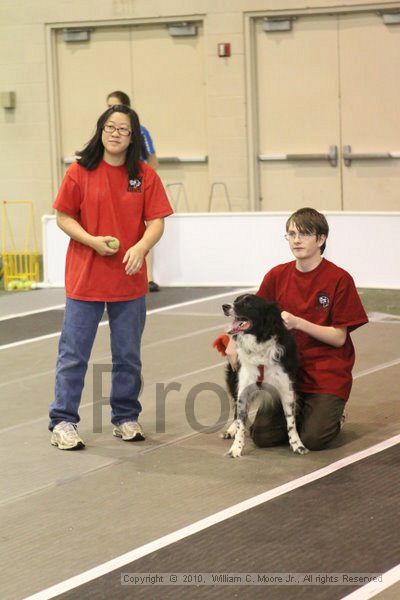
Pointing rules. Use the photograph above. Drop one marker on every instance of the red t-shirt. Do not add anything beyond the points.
(325, 296)
(102, 203)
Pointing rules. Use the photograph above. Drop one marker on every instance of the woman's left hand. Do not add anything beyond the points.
(134, 258)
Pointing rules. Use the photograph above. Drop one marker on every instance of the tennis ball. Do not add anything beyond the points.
(114, 244)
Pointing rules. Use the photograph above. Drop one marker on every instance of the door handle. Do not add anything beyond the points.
(183, 159)
(331, 156)
(349, 156)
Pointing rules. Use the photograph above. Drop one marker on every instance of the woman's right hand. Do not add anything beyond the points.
(99, 245)
(71, 227)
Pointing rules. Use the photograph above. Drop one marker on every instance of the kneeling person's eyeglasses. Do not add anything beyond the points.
(302, 236)
(120, 130)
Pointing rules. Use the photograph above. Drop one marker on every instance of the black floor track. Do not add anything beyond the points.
(346, 522)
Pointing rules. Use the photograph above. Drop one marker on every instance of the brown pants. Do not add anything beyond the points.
(318, 421)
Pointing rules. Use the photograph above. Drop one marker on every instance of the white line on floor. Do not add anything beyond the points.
(195, 314)
(376, 587)
(150, 312)
(33, 312)
(218, 517)
(380, 367)
(183, 336)
(52, 484)
(87, 404)
(174, 378)
(373, 316)
(199, 300)
(31, 340)
(97, 360)
(385, 317)
(62, 306)
(197, 332)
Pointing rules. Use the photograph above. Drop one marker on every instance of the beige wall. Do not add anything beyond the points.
(27, 143)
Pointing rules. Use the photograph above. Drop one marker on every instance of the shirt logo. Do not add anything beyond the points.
(323, 300)
(135, 185)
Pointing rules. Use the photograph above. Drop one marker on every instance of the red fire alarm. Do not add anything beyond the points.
(224, 50)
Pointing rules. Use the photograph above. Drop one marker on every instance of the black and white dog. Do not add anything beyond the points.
(261, 340)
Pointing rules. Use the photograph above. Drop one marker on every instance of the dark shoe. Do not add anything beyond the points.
(153, 286)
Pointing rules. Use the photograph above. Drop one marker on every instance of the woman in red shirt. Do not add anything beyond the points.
(108, 193)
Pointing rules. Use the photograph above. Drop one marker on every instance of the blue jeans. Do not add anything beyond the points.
(79, 330)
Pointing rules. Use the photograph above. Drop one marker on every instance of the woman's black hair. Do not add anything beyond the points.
(92, 153)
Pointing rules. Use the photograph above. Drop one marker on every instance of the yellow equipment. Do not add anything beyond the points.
(21, 267)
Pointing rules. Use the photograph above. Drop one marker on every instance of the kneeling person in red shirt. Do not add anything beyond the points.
(320, 303)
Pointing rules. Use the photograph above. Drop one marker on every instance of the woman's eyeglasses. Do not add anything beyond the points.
(120, 130)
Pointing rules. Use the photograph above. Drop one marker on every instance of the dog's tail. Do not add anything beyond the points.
(269, 418)
(270, 404)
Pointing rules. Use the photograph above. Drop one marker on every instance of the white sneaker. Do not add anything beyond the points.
(130, 431)
(66, 437)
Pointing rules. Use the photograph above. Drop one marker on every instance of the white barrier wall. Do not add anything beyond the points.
(236, 249)
(55, 244)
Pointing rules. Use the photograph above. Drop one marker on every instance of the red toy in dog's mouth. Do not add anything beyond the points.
(239, 324)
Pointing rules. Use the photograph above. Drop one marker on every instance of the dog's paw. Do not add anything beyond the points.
(234, 453)
(230, 433)
(235, 450)
(300, 450)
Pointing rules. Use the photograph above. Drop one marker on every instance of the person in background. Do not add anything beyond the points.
(148, 154)
(320, 304)
(112, 206)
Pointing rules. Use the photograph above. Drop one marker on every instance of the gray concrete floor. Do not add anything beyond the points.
(63, 513)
